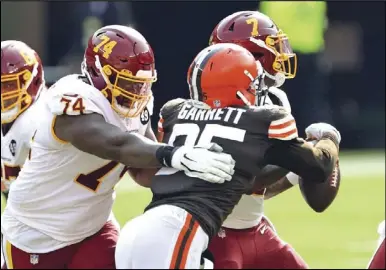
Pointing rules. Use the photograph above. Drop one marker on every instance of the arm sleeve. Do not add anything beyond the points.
(309, 162)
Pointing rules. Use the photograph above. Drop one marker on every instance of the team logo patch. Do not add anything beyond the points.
(12, 147)
(34, 259)
(145, 116)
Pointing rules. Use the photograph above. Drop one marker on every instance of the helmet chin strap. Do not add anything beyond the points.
(278, 78)
(83, 67)
(100, 69)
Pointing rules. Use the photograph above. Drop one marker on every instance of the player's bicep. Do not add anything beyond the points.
(309, 162)
(89, 133)
(92, 134)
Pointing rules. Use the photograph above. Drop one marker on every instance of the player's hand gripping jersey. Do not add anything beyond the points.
(64, 194)
(254, 136)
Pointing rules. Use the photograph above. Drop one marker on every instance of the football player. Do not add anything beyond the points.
(22, 81)
(378, 259)
(185, 213)
(89, 129)
(231, 248)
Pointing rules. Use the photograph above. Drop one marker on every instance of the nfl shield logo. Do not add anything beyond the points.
(34, 259)
(217, 103)
(221, 233)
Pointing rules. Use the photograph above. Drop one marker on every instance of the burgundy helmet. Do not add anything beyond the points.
(21, 78)
(260, 35)
(120, 63)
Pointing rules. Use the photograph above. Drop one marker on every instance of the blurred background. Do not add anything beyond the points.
(340, 79)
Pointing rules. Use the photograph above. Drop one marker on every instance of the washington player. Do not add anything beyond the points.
(185, 213)
(22, 81)
(378, 259)
(247, 238)
(59, 210)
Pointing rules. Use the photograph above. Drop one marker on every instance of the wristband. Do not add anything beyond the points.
(164, 155)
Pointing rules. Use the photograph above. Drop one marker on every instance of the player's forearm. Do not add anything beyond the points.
(268, 176)
(277, 188)
(93, 135)
(137, 151)
(130, 149)
(314, 163)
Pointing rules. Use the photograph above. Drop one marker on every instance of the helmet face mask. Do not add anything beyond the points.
(130, 94)
(21, 78)
(126, 73)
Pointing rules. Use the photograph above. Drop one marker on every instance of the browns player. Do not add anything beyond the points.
(185, 213)
(22, 81)
(231, 247)
(59, 210)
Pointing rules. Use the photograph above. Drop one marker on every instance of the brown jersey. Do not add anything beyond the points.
(254, 136)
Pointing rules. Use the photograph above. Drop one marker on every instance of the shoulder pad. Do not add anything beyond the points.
(282, 125)
(150, 105)
(71, 96)
(171, 106)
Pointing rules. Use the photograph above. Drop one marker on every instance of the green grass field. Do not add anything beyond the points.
(344, 236)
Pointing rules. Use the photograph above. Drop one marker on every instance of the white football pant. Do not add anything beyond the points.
(164, 237)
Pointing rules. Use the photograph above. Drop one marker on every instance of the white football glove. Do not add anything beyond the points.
(319, 130)
(205, 162)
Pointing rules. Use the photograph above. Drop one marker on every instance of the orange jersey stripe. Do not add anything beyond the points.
(283, 125)
(283, 135)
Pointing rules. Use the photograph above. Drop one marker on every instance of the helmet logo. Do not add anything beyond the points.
(28, 57)
(217, 103)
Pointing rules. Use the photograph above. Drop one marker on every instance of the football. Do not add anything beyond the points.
(319, 196)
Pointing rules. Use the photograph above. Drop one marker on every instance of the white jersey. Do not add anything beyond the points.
(15, 142)
(381, 231)
(247, 213)
(250, 209)
(64, 195)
